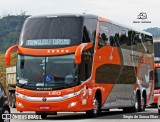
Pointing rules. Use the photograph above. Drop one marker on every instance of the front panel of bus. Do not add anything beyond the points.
(51, 81)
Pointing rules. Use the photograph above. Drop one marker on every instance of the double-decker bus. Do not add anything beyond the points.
(72, 63)
(157, 71)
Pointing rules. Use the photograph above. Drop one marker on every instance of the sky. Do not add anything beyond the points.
(121, 11)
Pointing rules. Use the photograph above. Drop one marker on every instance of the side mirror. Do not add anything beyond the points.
(8, 54)
(79, 51)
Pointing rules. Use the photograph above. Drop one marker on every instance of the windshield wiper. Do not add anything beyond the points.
(21, 85)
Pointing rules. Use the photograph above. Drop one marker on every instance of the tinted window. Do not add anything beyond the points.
(89, 30)
(114, 35)
(142, 42)
(52, 32)
(156, 49)
(89, 33)
(103, 35)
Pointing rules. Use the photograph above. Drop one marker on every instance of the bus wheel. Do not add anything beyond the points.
(143, 103)
(159, 111)
(96, 108)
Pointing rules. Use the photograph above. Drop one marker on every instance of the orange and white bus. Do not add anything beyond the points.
(157, 72)
(72, 63)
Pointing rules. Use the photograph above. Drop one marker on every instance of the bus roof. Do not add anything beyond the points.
(91, 16)
(65, 15)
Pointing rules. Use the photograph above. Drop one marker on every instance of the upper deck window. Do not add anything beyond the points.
(54, 32)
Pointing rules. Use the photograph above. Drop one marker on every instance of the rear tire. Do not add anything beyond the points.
(96, 108)
(159, 111)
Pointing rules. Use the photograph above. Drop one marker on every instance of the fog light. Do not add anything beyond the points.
(20, 105)
(72, 104)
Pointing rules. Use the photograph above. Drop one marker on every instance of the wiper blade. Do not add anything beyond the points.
(21, 85)
(59, 83)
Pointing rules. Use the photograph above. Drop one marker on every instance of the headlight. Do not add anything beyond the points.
(72, 94)
(21, 95)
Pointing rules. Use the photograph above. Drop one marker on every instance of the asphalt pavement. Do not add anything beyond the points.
(114, 115)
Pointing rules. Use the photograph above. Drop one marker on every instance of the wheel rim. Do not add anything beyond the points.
(96, 105)
(6, 112)
(136, 104)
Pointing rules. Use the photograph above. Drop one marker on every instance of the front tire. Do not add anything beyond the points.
(96, 108)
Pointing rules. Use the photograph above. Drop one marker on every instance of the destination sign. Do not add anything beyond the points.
(42, 42)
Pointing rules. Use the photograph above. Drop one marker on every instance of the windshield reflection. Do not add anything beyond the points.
(46, 71)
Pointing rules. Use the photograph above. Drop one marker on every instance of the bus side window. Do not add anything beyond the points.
(102, 40)
(89, 30)
(103, 35)
(85, 35)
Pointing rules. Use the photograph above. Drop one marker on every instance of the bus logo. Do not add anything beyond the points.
(44, 99)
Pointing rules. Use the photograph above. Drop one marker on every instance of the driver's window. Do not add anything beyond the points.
(103, 35)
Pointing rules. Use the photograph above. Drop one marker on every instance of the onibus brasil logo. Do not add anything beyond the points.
(142, 17)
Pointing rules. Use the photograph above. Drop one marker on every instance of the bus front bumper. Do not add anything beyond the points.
(73, 104)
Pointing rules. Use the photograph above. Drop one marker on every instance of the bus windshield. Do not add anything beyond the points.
(54, 71)
(51, 32)
(157, 78)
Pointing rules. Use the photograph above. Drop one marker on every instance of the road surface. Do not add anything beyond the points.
(115, 115)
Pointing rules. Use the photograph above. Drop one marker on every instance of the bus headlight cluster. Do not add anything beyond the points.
(21, 96)
(72, 94)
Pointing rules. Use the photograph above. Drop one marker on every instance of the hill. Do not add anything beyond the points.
(155, 31)
(10, 27)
